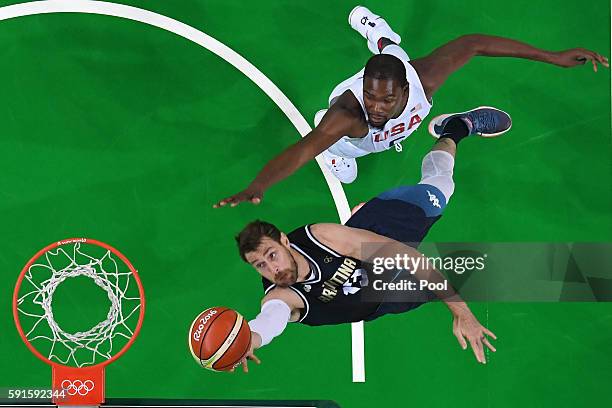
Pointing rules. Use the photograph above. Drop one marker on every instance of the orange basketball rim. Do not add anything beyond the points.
(78, 359)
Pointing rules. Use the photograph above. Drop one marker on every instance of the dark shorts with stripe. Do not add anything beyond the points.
(404, 214)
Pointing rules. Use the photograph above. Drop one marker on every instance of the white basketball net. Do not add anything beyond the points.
(36, 305)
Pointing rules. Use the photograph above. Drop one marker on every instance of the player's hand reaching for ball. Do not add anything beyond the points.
(255, 343)
(244, 362)
(251, 193)
(468, 329)
(579, 56)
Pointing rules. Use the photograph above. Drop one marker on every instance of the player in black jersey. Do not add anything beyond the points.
(312, 275)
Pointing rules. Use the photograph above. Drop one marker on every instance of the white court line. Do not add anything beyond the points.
(232, 57)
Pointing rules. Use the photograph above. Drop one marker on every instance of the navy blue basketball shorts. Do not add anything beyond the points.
(404, 214)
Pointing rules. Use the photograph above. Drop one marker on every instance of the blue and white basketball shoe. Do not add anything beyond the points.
(484, 121)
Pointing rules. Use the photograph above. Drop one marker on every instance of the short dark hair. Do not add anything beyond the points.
(250, 237)
(385, 66)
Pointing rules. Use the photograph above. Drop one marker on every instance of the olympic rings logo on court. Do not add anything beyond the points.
(78, 387)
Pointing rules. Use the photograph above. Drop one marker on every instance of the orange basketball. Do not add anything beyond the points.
(219, 338)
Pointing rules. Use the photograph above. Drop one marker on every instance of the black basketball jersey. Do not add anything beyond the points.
(331, 295)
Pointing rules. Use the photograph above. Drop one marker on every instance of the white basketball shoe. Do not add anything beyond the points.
(344, 169)
(371, 27)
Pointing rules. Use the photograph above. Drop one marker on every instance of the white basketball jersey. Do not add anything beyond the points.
(395, 130)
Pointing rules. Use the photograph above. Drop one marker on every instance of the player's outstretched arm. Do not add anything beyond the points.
(336, 123)
(278, 307)
(435, 68)
(350, 241)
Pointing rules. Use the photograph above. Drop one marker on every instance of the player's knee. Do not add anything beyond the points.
(437, 170)
(437, 163)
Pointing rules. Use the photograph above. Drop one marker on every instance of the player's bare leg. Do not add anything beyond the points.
(445, 145)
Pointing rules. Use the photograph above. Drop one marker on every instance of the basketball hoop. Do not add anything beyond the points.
(78, 359)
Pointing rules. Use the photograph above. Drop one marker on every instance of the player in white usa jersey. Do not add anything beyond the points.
(394, 130)
(384, 103)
